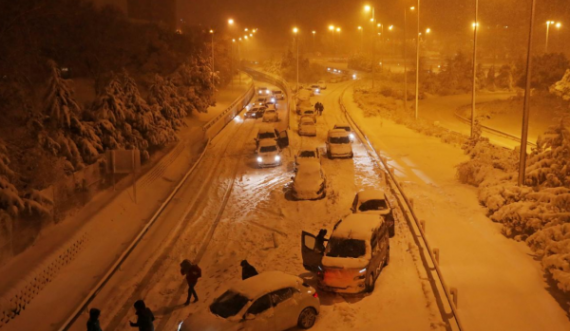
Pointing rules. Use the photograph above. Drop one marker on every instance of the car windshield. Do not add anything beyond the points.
(345, 128)
(270, 112)
(261, 99)
(373, 205)
(308, 112)
(229, 304)
(265, 135)
(267, 149)
(276, 92)
(343, 247)
(307, 154)
(339, 140)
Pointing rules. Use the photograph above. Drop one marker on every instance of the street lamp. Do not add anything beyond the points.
(314, 33)
(230, 21)
(368, 9)
(391, 27)
(558, 25)
(417, 63)
(295, 32)
(475, 29)
(428, 30)
(213, 68)
(361, 40)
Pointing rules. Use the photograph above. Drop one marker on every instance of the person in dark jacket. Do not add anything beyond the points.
(320, 240)
(192, 273)
(145, 318)
(247, 270)
(93, 322)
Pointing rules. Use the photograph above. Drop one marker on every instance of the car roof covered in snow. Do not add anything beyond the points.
(307, 119)
(358, 226)
(265, 282)
(267, 142)
(338, 133)
(309, 166)
(371, 195)
(266, 128)
(342, 125)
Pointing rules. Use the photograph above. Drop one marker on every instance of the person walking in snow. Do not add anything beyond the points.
(247, 270)
(145, 317)
(192, 273)
(321, 108)
(320, 240)
(93, 321)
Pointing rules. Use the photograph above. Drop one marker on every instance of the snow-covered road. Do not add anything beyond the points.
(261, 225)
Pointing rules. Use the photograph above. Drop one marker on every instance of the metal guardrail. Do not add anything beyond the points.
(489, 129)
(407, 209)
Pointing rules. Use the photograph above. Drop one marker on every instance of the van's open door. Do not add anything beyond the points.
(283, 140)
(311, 256)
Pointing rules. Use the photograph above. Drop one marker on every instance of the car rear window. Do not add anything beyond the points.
(265, 135)
(339, 140)
(373, 205)
(228, 304)
(267, 149)
(343, 247)
(307, 154)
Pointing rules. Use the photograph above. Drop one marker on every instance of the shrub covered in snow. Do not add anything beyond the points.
(539, 212)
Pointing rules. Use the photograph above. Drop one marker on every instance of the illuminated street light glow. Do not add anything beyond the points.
(359, 28)
(251, 34)
(337, 29)
(428, 30)
(367, 8)
(231, 21)
(475, 24)
(371, 20)
(233, 40)
(313, 32)
(331, 27)
(246, 29)
(390, 27)
(211, 31)
(245, 37)
(378, 25)
(412, 8)
(295, 30)
(558, 25)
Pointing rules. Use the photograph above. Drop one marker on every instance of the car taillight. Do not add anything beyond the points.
(315, 295)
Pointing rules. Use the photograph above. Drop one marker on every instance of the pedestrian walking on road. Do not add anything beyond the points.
(93, 322)
(192, 273)
(247, 270)
(145, 317)
(321, 108)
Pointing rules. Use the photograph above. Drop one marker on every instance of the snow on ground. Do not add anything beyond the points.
(109, 226)
(501, 286)
(226, 96)
(260, 224)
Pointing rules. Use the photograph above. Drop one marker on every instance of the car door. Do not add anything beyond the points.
(260, 316)
(285, 307)
(283, 140)
(311, 256)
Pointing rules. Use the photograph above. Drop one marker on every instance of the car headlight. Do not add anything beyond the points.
(317, 90)
(277, 158)
(266, 92)
(272, 99)
(259, 159)
(351, 136)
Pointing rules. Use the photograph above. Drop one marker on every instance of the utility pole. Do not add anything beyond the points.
(374, 40)
(475, 28)
(547, 33)
(213, 68)
(405, 60)
(418, 61)
(524, 133)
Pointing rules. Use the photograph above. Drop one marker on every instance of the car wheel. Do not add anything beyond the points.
(329, 154)
(307, 318)
(369, 282)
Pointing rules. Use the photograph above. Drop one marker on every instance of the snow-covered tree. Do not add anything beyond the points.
(562, 87)
(164, 94)
(194, 83)
(549, 164)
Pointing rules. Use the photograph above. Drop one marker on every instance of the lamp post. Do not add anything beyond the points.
(548, 24)
(314, 33)
(475, 29)
(331, 29)
(213, 68)
(406, 57)
(417, 63)
(367, 9)
(295, 32)
(524, 133)
(361, 42)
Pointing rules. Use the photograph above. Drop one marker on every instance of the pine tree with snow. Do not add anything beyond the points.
(194, 83)
(562, 87)
(549, 164)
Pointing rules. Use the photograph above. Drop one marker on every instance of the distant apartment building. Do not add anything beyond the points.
(158, 11)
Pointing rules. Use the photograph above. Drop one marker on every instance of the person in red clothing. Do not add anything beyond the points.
(192, 273)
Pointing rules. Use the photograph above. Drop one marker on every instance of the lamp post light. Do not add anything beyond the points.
(213, 68)
(295, 32)
(406, 58)
(417, 62)
(231, 21)
(558, 25)
(370, 9)
(475, 29)
(314, 33)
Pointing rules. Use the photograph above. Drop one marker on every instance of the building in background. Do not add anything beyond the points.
(156, 11)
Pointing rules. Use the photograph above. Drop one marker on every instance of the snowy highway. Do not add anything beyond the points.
(229, 210)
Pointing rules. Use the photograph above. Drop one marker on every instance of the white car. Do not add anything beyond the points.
(322, 84)
(307, 155)
(268, 153)
(262, 101)
(270, 115)
(255, 112)
(346, 127)
(357, 252)
(375, 202)
(270, 301)
(338, 144)
(307, 126)
(278, 94)
(316, 89)
(310, 182)
(309, 112)
(263, 91)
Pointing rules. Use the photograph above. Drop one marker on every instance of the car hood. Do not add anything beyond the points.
(204, 320)
(307, 184)
(344, 262)
(268, 154)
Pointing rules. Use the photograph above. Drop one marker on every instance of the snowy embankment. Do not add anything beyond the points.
(501, 286)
